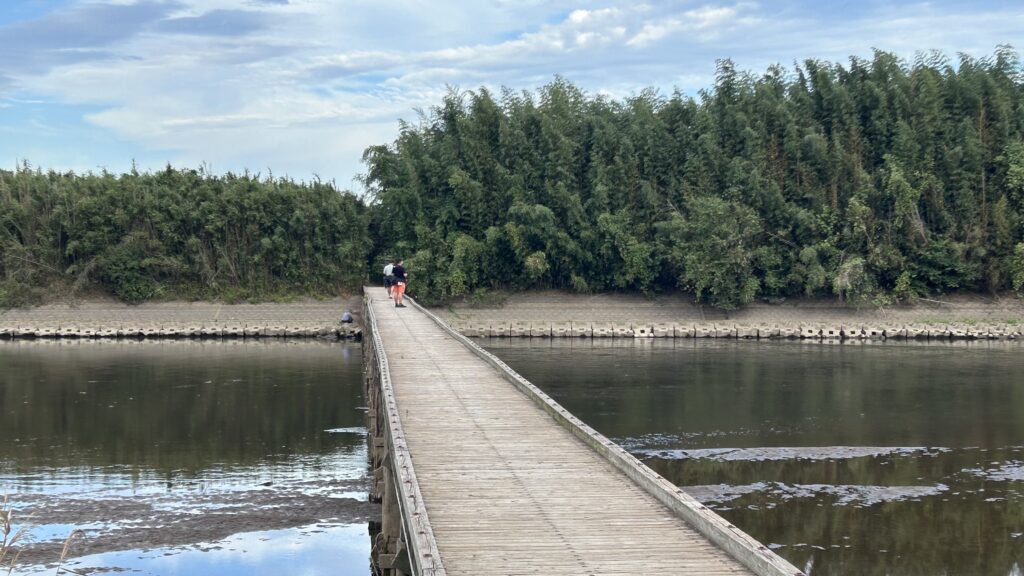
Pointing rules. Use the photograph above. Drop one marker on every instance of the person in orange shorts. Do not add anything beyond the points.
(398, 286)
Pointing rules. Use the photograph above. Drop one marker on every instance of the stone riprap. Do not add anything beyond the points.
(535, 315)
(307, 319)
(555, 315)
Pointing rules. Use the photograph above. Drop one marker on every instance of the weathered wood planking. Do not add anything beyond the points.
(510, 488)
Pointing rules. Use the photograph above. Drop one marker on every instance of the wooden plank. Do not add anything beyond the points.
(509, 489)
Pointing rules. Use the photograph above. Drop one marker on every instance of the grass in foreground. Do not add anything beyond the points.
(9, 537)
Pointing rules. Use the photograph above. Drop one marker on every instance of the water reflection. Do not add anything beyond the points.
(314, 549)
(894, 458)
(172, 444)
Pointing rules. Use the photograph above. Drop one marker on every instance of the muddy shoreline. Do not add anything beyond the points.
(181, 520)
(538, 314)
(557, 314)
(184, 320)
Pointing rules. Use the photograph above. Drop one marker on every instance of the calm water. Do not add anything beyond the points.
(867, 459)
(187, 457)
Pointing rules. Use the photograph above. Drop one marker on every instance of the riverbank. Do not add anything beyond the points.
(109, 319)
(535, 314)
(541, 314)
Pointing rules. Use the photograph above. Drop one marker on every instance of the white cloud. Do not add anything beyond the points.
(708, 20)
(311, 83)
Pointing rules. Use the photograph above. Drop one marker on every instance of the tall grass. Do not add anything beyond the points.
(10, 536)
(78, 533)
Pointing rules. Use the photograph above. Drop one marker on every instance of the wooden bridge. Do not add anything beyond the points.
(479, 472)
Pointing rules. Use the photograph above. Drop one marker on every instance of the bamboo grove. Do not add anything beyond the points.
(875, 181)
(175, 234)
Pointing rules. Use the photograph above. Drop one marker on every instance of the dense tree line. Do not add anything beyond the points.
(876, 181)
(176, 233)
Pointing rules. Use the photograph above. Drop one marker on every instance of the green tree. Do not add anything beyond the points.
(710, 250)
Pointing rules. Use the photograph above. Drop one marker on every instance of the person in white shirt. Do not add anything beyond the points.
(388, 278)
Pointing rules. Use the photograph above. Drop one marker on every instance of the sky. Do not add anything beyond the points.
(300, 88)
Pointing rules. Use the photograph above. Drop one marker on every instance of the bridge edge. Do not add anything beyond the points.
(745, 549)
(420, 538)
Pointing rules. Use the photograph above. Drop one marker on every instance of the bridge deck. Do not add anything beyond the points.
(507, 489)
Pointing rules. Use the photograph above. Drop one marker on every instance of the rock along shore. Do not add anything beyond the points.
(552, 315)
(307, 319)
(536, 315)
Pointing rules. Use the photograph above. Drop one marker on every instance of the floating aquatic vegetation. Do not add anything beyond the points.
(351, 430)
(1010, 471)
(845, 495)
(791, 453)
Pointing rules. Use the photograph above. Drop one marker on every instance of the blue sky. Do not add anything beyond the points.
(302, 87)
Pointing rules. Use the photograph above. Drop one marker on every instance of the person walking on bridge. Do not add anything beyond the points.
(388, 278)
(400, 278)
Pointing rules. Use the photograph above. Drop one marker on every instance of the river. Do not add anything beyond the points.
(868, 459)
(240, 457)
(186, 457)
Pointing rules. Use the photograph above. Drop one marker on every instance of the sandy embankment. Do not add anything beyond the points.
(108, 319)
(539, 314)
(558, 314)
